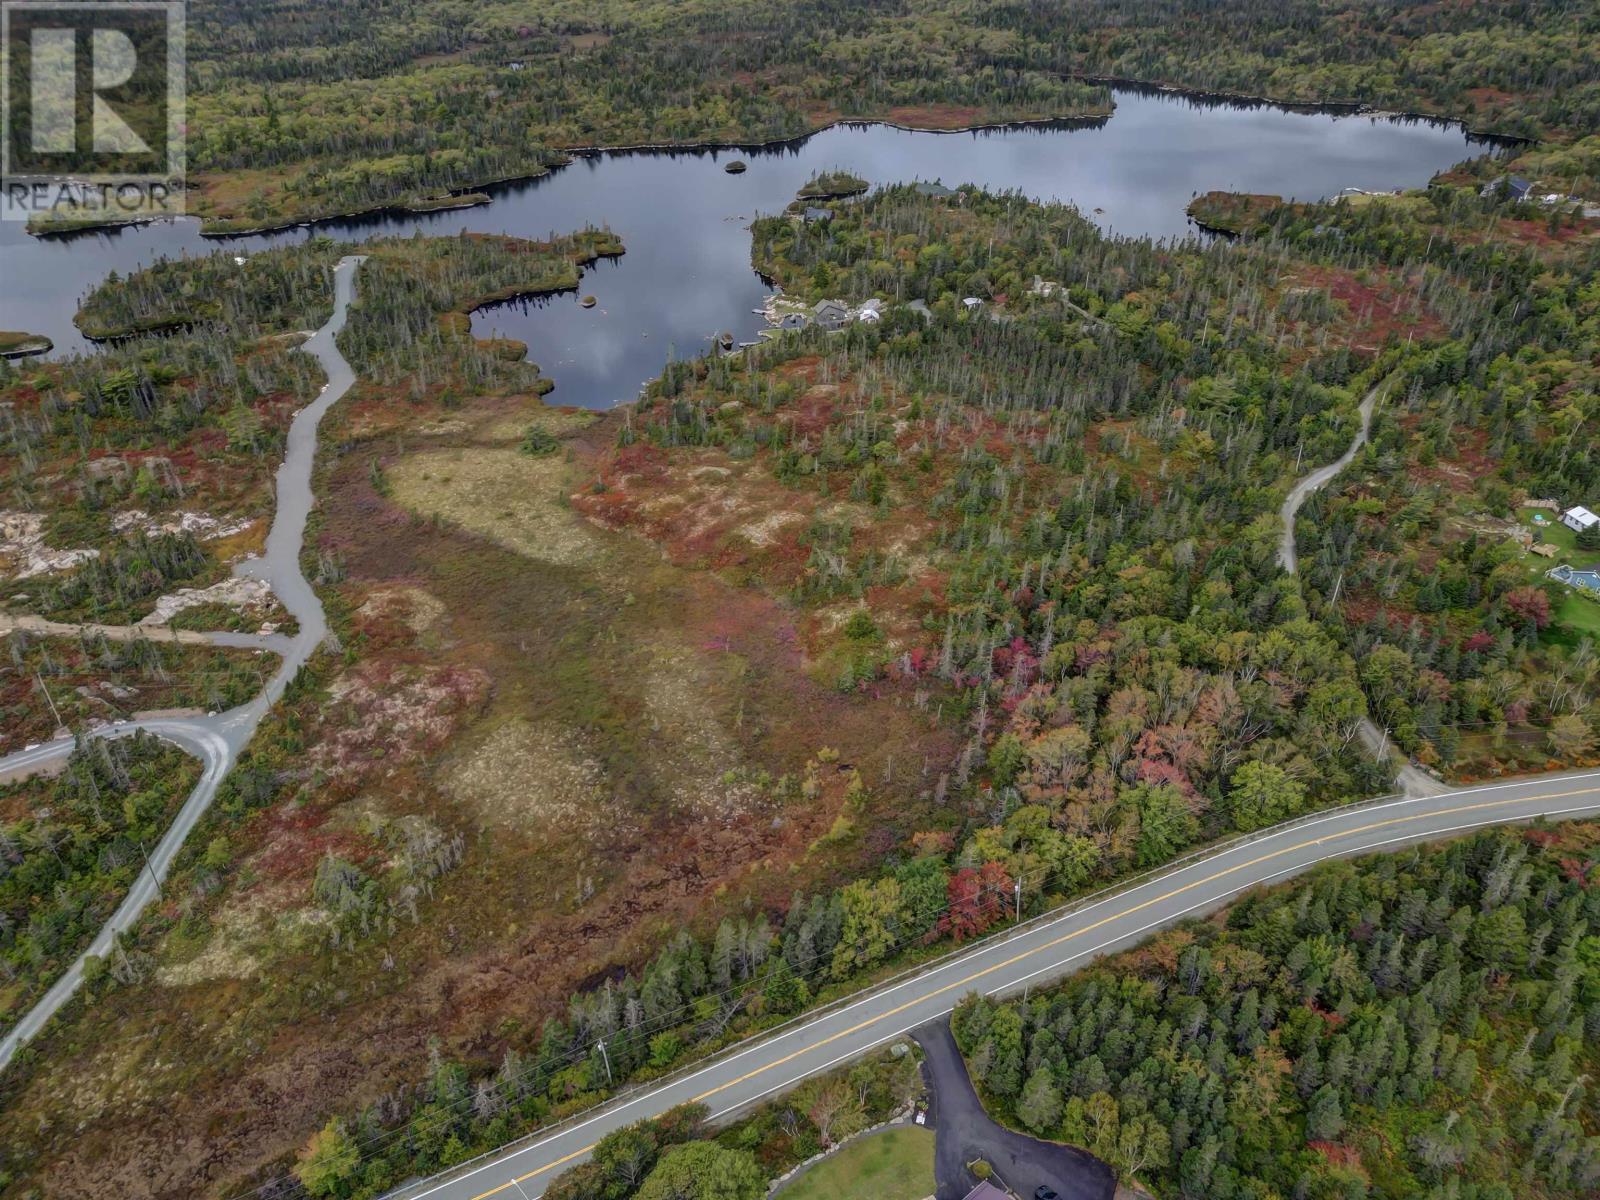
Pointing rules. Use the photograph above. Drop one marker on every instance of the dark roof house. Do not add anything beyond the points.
(830, 314)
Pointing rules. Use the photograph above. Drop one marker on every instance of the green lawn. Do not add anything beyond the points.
(1553, 531)
(896, 1165)
(1579, 612)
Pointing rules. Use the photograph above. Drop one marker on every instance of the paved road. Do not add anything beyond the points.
(963, 1132)
(1037, 952)
(217, 740)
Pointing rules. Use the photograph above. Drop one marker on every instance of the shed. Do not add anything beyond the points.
(972, 303)
(1579, 518)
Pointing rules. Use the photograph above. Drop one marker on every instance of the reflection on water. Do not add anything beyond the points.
(687, 275)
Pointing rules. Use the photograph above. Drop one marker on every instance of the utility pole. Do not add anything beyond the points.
(148, 866)
(610, 1079)
(48, 699)
(1018, 888)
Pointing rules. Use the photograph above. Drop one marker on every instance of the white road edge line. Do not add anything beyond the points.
(874, 996)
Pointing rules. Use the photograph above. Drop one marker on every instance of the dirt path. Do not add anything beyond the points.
(1412, 780)
(278, 643)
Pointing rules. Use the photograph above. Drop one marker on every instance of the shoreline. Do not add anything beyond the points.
(1216, 97)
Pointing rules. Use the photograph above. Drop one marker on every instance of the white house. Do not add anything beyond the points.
(1578, 519)
(871, 311)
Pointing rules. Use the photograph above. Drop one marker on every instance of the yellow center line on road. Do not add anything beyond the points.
(1051, 945)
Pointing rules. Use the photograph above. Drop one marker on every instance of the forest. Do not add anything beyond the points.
(1029, 545)
(312, 111)
(1420, 1024)
(1053, 519)
(69, 848)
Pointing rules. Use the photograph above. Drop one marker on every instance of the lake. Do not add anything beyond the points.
(687, 273)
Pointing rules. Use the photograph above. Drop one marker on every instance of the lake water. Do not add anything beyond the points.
(687, 273)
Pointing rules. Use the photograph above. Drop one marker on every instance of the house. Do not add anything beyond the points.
(1043, 287)
(987, 1191)
(1517, 187)
(1578, 519)
(972, 304)
(793, 320)
(813, 213)
(830, 314)
(1589, 581)
(936, 190)
(870, 312)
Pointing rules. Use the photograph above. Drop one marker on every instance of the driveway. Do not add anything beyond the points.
(963, 1132)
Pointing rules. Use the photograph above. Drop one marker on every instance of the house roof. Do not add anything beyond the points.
(824, 306)
(1581, 515)
(813, 213)
(933, 189)
(987, 1191)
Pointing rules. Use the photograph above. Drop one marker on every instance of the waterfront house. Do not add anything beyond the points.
(793, 320)
(830, 314)
(813, 213)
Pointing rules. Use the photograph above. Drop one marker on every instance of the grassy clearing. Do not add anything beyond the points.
(499, 494)
(894, 1165)
(1579, 613)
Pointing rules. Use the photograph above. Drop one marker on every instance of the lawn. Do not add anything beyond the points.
(1580, 613)
(896, 1165)
(1554, 531)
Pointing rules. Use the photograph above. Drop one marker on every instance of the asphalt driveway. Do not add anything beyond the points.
(963, 1132)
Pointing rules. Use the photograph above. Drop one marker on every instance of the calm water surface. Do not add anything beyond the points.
(687, 271)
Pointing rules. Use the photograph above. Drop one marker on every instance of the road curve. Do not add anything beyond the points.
(217, 740)
(1042, 950)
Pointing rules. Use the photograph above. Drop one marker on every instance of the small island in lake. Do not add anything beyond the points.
(737, 167)
(832, 185)
(20, 345)
(1232, 213)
